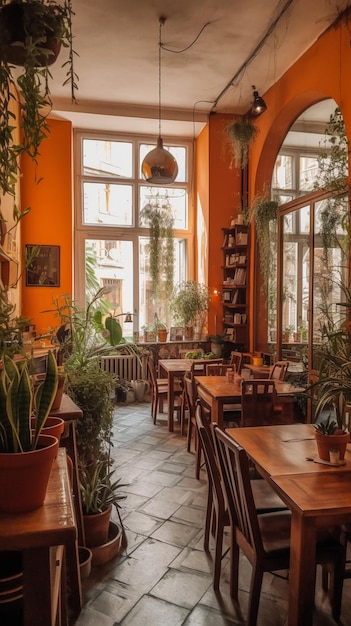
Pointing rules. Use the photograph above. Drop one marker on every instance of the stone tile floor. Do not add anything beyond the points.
(164, 577)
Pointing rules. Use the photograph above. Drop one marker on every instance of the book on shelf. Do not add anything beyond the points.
(241, 239)
(240, 276)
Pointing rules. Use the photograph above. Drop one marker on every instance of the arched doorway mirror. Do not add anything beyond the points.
(310, 279)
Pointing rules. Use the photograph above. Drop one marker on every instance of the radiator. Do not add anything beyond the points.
(125, 366)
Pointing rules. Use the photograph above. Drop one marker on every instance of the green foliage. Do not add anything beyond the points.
(190, 302)
(332, 176)
(241, 132)
(329, 427)
(158, 216)
(264, 214)
(40, 17)
(98, 487)
(17, 401)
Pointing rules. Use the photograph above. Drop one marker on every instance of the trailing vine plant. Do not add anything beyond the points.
(158, 216)
(264, 215)
(242, 131)
(332, 176)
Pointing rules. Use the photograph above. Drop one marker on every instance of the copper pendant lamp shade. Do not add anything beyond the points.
(159, 166)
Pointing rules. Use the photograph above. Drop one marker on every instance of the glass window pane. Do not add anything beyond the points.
(175, 198)
(147, 304)
(110, 264)
(179, 153)
(308, 172)
(283, 177)
(107, 158)
(107, 204)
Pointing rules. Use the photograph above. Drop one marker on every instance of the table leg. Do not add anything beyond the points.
(302, 570)
(170, 401)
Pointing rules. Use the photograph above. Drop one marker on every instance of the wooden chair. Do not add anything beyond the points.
(217, 369)
(279, 370)
(190, 396)
(236, 360)
(198, 366)
(258, 397)
(217, 516)
(159, 391)
(265, 539)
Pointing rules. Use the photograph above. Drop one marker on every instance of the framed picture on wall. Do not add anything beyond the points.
(44, 266)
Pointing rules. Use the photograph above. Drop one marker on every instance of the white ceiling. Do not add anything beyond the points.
(117, 43)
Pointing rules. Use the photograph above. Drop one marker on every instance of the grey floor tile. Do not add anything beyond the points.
(182, 588)
(158, 551)
(175, 533)
(153, 611)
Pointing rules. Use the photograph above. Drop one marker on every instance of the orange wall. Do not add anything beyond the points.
(322, 72)
(218, 200)
(50, 219)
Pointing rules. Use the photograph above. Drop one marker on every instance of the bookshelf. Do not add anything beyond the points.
(235, 284)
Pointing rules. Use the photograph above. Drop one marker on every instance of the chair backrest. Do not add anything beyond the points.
(152, 372)
(235, 476)
(198, 366)
(213, 472)
(279, 370)
(258, 397)
(218, 369)
(236, 359)
(190, 392)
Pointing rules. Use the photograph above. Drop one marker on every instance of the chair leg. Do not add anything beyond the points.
(189, 434)
(254, 596)
(218, 554)
(209, 511)
(198, 458)
(234, 567)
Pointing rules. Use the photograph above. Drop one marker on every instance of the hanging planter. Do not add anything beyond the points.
(264, 214)
(241, 132)
(158, 217)
(31, 35)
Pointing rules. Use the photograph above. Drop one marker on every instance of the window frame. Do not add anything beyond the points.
(82, 231)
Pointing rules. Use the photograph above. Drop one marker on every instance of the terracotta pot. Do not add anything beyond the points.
(24, 476)
(53, 426)
(325, 443)
(109, 550)
(162, 334)
(96, 528)
(85, 556)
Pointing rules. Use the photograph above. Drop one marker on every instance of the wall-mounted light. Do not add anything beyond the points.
(128, 317)
(159, 166)
(258, 106)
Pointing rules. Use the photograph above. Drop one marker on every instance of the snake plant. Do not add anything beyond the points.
(19, 401)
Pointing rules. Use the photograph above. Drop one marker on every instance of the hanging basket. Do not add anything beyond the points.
(13, 18)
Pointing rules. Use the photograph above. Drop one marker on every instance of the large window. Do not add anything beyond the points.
(111, 239)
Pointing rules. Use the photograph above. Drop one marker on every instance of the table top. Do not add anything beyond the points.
(283, 450)
(175, 365)
(259, 369)
(219, 386)
(50, 525)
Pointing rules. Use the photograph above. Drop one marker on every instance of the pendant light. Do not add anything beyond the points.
(159, 166)
(258, 106)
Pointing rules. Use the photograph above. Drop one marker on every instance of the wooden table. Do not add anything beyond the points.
(46, 537)
(318, 496)
(70, 412)
(259, 371)
(217, 392)
(172, 369)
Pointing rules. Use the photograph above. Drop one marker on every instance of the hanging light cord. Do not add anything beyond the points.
(161, 22)
(190, 44)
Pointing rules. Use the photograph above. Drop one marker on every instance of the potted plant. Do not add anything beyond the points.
(22, 448)
(190, 305)
(218, 342)
(99, 491)
(31, 35)
(160, 328)
(264, 214)
(242, 131)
